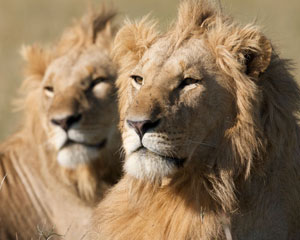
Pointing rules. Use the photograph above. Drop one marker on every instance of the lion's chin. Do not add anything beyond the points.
(144, 164)
(76, 154)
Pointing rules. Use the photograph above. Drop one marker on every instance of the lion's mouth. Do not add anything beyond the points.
(178, 162)
(99, 145)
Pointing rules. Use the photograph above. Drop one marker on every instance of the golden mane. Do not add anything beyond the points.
(259, 151)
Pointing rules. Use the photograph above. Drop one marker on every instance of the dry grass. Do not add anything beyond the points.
(48, 234)
(29, 21)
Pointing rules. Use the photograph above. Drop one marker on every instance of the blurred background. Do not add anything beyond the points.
(30, 21)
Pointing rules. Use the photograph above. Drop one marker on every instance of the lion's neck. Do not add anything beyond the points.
(174, 211)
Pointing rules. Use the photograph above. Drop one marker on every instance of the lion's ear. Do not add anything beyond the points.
(93, 28)
(195, 14)
(103, 31)
(252, 50)
(257, 59)
(105, 38)
(134, 39)
(37, 59)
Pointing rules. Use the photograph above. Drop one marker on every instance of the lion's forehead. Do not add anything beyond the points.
(165, 58)
(75, 66)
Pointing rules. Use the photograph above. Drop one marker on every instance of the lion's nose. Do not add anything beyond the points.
(66, 122)
(141, 127)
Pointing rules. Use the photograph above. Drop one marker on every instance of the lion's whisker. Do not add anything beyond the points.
(202, 143)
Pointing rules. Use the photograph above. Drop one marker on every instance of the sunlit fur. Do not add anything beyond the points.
(52, 182)
(236, 129)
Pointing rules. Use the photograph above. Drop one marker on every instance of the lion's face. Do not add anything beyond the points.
(78, 105)
(188, 94)
(178, 102)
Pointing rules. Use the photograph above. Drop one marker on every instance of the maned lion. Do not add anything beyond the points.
(65, 155)
(210, 134)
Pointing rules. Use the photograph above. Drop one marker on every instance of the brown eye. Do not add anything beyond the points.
(137, 79)
(97, 81)
(188, 81)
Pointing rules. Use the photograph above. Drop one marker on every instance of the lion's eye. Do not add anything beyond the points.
(97, 81)
(188, 81)
(138, 79)
(49, 91)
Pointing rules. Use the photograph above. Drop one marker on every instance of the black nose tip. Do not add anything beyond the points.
(66, 123)
(141, 127)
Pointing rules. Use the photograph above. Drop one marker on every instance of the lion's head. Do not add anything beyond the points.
(70, 102)
(193, 98)
(209, 127)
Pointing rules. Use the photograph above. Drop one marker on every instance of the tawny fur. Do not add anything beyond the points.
(38, 193)
(247, 185)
